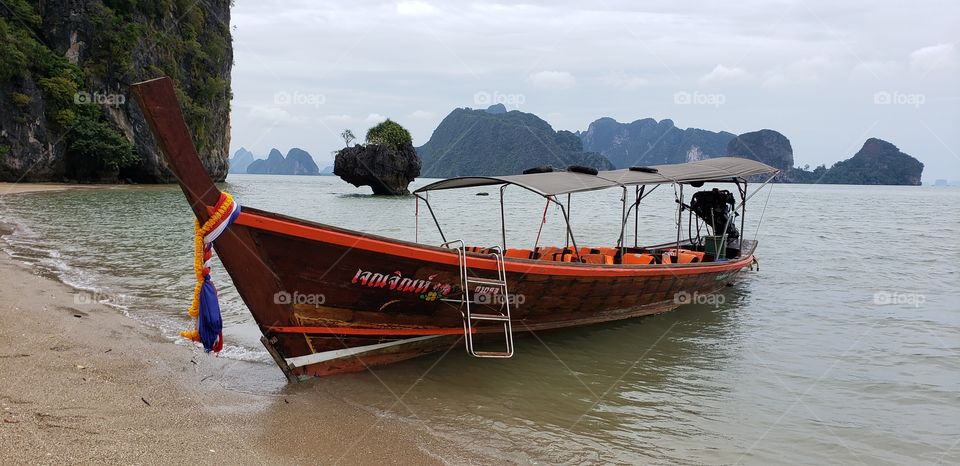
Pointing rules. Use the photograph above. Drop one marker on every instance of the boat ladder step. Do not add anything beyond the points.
(491, 354)
(498, 301)
(493, 317)
(485, 281)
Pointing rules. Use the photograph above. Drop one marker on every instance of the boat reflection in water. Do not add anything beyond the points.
(615, 391)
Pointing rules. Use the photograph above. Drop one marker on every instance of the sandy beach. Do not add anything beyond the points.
(18, 188)
(82, 383)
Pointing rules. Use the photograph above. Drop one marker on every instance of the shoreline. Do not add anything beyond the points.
(20, 188)
(81, 382)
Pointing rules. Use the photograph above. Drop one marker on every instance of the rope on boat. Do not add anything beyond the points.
(542, 223)
(205, 309)
(757, 233)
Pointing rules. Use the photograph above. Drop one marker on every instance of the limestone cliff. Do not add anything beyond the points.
(66, 112)
(297, 162)
(767, 146)
(651, 142)
(877, 162)
(497, 142)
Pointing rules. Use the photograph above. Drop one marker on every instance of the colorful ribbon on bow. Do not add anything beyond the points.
(205, 309)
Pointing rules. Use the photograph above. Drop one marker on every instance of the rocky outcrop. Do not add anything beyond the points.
(766, 145)
(877, 162)
(274, 164)
(297, 162)
(241, 159)
(651, 142)
(497, 109)
(65, 71)
(386, 171)
(497, 142)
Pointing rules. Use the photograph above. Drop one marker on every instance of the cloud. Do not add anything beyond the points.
(803, 71)
(876, 69)
(553, 80)
(270, 114)
(337, 118)
(622, 80)
(375, 118)
(934, 58)
(416, 8)
(422, 115)
(722, 73)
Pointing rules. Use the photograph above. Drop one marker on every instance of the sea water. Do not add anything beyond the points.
(843, 347)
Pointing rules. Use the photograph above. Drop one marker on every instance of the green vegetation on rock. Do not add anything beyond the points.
(53, 53)
(20, 100)
(99, 144)
(390, 134)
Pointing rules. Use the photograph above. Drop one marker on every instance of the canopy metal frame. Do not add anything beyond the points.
(640, 193)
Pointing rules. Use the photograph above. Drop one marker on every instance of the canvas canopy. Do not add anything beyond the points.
(721, 169)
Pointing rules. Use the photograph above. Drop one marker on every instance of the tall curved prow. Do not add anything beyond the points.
(158, 102)
(255, 281)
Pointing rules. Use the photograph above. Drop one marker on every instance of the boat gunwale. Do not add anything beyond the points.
(296, 227)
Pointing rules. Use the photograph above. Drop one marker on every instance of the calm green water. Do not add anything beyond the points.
(843, 348)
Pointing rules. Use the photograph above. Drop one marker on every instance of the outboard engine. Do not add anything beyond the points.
(715, 207)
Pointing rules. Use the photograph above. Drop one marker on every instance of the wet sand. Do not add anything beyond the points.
(80, 382)
(18, 188)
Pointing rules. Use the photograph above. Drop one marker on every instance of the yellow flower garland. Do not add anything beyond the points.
(224, 207)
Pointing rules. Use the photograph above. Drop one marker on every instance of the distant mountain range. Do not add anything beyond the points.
(497, 142)
(241, 159)
(652, 142)
(296, 162)
(877, 162)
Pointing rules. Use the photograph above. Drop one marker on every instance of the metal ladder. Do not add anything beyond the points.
(502, 314)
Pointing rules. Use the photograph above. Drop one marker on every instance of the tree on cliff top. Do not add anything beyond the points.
(390, 134)
(347, 136)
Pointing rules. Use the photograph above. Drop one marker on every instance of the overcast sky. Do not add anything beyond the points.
(826, 74)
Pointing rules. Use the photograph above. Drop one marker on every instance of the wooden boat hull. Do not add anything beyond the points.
(329, 300)
(337, 281)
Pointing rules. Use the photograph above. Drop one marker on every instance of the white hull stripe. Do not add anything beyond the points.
(314, 358)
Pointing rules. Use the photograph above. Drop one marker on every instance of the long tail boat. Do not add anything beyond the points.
(384, 300)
